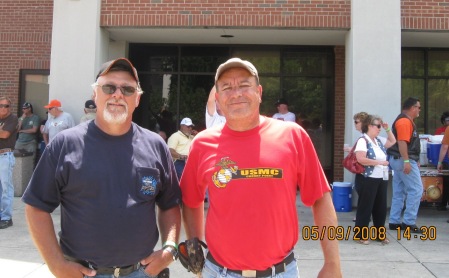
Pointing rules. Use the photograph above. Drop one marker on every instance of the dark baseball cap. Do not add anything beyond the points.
(26, 105)
(281, 101)
(90, 104)
(120, 64)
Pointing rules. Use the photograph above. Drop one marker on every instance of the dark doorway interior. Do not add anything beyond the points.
(178, 79)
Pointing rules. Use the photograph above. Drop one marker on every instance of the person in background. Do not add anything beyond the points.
(107, 175)
(445, 121)
(372, 185)
(90, 111)
(252, 167)
(163, 135)
(283, 113)
(165, 126)
(8, 132)
(442, 165)
(358, 119)
(179, 144)
(213, 114)
(404, 157)
(58, 120)
(28, 129)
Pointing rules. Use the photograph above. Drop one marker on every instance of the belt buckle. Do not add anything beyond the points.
(249, 273)
(117, 272)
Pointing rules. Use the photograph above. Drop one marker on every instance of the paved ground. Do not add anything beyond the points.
(401, 258)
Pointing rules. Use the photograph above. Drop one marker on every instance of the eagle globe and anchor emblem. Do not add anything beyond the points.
(224, 175)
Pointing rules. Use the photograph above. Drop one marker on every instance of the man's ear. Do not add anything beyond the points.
(138, 99)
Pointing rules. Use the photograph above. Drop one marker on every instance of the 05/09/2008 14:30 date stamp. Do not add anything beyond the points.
(365, 233)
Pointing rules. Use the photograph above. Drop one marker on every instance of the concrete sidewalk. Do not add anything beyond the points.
(401, 258)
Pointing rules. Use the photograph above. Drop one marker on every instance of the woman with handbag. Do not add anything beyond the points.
(358, 119)
(371, 185)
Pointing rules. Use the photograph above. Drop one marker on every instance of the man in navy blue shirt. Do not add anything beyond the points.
(107, 175)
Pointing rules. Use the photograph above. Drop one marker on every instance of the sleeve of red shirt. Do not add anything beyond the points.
(312, 181)
(193, 190)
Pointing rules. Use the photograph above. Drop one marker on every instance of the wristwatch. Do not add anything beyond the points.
(172, 250)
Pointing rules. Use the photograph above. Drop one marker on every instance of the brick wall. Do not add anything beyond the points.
(247, 13)
(425, 15)
(339, 112)
(25, 41)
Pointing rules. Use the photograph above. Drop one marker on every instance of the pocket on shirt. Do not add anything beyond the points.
(148, 183)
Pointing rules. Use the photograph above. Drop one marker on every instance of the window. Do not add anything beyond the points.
(425, 75)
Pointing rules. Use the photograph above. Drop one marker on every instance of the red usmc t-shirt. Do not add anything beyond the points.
(252, 178)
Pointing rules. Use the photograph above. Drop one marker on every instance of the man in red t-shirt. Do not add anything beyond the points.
(252, 167)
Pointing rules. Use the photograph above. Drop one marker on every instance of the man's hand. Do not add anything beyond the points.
(157, 261)
(68, 269)
(191, 255)
(330, 270)
(407, 168)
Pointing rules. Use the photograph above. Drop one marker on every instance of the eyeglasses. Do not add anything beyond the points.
(109, 89)
(378, 125)
(25, 108)
(356, 122)
(4, 105)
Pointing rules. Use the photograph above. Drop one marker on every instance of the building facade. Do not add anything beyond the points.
(329, 58)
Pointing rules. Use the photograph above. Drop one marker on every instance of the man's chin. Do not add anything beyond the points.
(115, 118)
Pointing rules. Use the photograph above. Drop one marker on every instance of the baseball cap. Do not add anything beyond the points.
(53, 103)
(90, 104)
(120, 64)
(26, 105)
(236, 63)
(281, 101)
(187, 121)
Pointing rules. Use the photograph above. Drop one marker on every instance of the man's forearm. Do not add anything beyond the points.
(324, 217)
(40, 225)
(193, 219)
(170, 224)
(403, 150)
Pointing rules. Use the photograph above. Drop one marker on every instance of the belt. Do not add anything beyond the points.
(116, 271)
(278, 268)
(7, 150)
(399, 157)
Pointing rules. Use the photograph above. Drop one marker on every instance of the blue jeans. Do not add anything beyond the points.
(211, 270)
(7, 161)
(139, 273)
(408, 188)
(179, 167)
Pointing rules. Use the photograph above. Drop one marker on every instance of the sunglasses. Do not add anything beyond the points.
(109, 89)
(378, 126)
(4, 105)
(356, 122)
